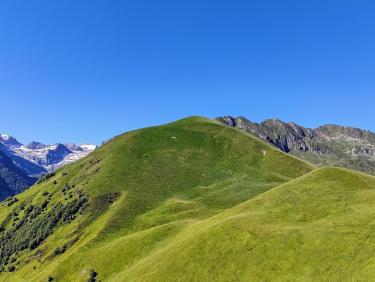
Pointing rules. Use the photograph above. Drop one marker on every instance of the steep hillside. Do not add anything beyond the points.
(319, 227)
(106, 214)
(12, 179)
(326, 145)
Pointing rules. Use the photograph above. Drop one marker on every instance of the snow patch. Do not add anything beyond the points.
(5, 137)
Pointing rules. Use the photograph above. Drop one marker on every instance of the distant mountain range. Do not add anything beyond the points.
(327, 145)
(21, 165)
(13, 180)
(37, 158)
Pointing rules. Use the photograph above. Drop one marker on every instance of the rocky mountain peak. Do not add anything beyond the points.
(37, 158)
(35, 145)
(326, 145)
(9, 141)
(332, 130)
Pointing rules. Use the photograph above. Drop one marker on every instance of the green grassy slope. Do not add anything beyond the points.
(320, 227)
(134, 198)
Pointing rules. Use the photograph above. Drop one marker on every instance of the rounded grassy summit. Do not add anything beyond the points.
(192, 200)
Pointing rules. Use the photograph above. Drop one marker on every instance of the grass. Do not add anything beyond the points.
(319, 227)
(167, 203)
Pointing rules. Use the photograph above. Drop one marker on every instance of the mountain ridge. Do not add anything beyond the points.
(328, 144)
(37, 158)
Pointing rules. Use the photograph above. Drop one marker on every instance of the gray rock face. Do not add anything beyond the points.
(35, 145)
(57, 154)
(327, 145)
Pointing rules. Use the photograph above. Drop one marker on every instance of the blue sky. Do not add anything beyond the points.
(84, 71)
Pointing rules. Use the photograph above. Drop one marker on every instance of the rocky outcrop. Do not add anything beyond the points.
(327, 145)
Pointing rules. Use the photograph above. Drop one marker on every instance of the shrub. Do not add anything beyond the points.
(92, 276)
(45, 177)
(11, 201)
(36, 226)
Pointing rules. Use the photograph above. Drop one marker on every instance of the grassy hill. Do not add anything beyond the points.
(132, 197)
(319, 227)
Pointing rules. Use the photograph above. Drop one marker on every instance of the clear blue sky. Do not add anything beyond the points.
(84, 71)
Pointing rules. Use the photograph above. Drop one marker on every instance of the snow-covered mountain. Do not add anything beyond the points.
(13, 180)
(37, 158)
